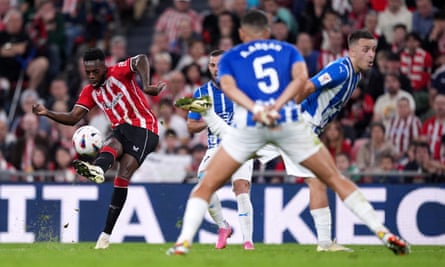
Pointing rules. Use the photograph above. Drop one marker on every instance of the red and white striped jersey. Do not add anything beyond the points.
(327, 57)
(120, 98)
(433, 129)
(401, 131)
(417, 67)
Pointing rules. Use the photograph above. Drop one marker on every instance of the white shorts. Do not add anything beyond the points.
(296, 141)
(269, 152)
(243, 173)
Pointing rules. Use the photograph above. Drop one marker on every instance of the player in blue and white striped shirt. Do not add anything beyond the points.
(329, 89)
(263, 77)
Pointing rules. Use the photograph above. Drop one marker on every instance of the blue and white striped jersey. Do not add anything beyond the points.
(262, 70)
(334, 85)
(222, 105)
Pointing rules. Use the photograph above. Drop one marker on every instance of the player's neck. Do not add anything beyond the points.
(355, 65)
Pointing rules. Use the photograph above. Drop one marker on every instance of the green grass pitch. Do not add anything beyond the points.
(153, 255)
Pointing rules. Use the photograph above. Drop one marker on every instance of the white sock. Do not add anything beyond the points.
(215, 211)
(358, 204)
(193, 216)
(245, 215)
(215, 123)
(323, 222)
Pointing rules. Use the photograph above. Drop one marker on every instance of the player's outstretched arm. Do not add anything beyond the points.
(140, 64)
(68, 118)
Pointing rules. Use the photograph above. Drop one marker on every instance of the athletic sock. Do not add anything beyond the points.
(215, 211)
(106, 158)
(245, 215)
(193, 216)
(117, 202)
(323, 223)
(358, 204)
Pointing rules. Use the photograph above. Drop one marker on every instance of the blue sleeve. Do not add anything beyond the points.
(224, 67)
(195, 115)
(330, 76)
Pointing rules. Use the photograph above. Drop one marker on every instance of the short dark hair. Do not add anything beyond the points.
(94, 54)
(377, 124)
(255, 18)
(359, 34)
(216, 53)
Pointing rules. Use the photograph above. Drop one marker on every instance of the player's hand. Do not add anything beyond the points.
(39, 109)
(155, 89)
(265, 115)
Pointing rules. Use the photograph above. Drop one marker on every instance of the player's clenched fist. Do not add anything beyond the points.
(39, 109)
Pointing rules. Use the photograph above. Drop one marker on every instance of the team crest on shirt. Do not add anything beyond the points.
(324, 79)
(114, 102)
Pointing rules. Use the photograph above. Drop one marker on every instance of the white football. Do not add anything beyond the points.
(87, 140)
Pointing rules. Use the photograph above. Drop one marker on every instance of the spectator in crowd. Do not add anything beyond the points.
(438, 79)
(373, 81)
(168, 119)
(195, 54)
(305, 46)
(311, 18)
(27, 99)
(434, 128)
(423, 17)
(393, 66)
(347, 167)
(404, 127)
(59, 91)
(425, 164)
(357, 113)
(385, 105)
(186, 36)
(277, 12)
(197, 151)
(41, 164)
(398, 43)
(334, 51)
(370, 153)
(160, 44)
(47, 31)
(334, 140)
(210, 30)
(7, 170)
(63, 171)
(417, 63)
(227, 27)
(169, 142)
(118, 50)
(225, 43)
(177, 88)
(240, 7)
(18, 54)
(435, 40)
(370, 23)
(162, 63)
(279, 31)
(331, 21)
(387, 166)
(193, 75)
(355, 18)
(23, 149)
(168, 21)
(395, 13)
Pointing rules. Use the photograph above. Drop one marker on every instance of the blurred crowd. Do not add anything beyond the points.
(395, 120)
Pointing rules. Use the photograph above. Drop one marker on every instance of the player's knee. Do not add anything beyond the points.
(241, 186)
(316, 185)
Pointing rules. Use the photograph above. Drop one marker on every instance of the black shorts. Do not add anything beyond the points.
(136, 141)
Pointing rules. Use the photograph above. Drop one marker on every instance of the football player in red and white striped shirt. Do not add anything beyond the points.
(134, 125)
(403, 127)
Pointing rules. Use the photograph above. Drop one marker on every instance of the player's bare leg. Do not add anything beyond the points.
(216, 175)
(323, 166)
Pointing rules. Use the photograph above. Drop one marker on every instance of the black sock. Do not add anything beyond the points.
(105, 160)
(117, 202)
